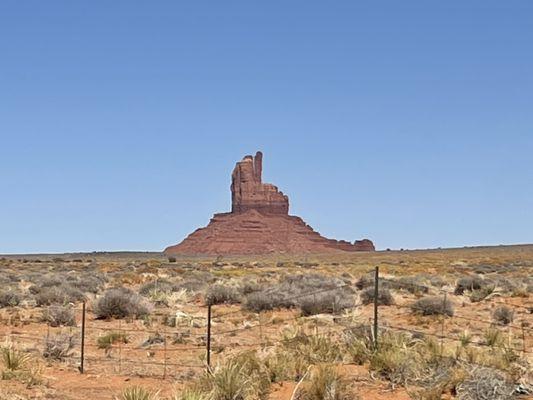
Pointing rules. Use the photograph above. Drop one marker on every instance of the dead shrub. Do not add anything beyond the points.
(485, 383)
(58, 315)
(433, 305)
(58, 347)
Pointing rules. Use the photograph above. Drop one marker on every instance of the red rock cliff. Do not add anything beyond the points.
(248, 192)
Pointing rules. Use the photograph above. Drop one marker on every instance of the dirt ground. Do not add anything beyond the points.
(166, 351)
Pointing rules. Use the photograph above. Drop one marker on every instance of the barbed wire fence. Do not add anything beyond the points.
(155, 357)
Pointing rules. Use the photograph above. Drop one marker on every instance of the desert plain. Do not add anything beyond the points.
(452, 323)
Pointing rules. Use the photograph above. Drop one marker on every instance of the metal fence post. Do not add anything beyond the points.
(376, 301)
(82, 357)
(442, 325)
(208, 344)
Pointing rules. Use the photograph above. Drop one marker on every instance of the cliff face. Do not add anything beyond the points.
(259, 222)
(248, 192)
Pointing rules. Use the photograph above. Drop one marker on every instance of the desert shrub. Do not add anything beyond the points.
(159, 285)
(58, 347)
(384, 296)
(58, 315)
(503, 315)
(411, 284)
(325, 303)
(365, 281)
(195, 281)
(260, 301)
(9, 298)
(171, 259)
(138, 393)
(469, 283)
(485, 383)
(90, 283)
(325, 383)
(294, 290)
(106, 341)
(51, 281)
(248, 287)
(121, 303)
(222, 294)
(433, 305)
(481, 294)
(58, 295)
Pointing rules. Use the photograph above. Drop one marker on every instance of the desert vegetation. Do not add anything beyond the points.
(452, 324)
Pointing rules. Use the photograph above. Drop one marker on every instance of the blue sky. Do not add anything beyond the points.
(410, 123)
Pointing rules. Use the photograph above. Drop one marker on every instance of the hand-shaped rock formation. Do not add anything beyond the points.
(259, 222)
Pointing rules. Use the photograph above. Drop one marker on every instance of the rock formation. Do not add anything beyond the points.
(259, 222)
(248, 192)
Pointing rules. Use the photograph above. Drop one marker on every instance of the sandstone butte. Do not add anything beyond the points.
(259, 223)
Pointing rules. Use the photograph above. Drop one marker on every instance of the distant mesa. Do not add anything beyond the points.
(259, 223)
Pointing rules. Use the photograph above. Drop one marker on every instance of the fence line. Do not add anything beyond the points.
(166, 361)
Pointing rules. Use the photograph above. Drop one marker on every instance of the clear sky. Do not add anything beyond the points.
(407, 122)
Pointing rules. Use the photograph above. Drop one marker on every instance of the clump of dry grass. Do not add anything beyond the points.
(241, 377)
(358, 344)
(324, 383)
(137, 393)
(108, 340)
(18, 364)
